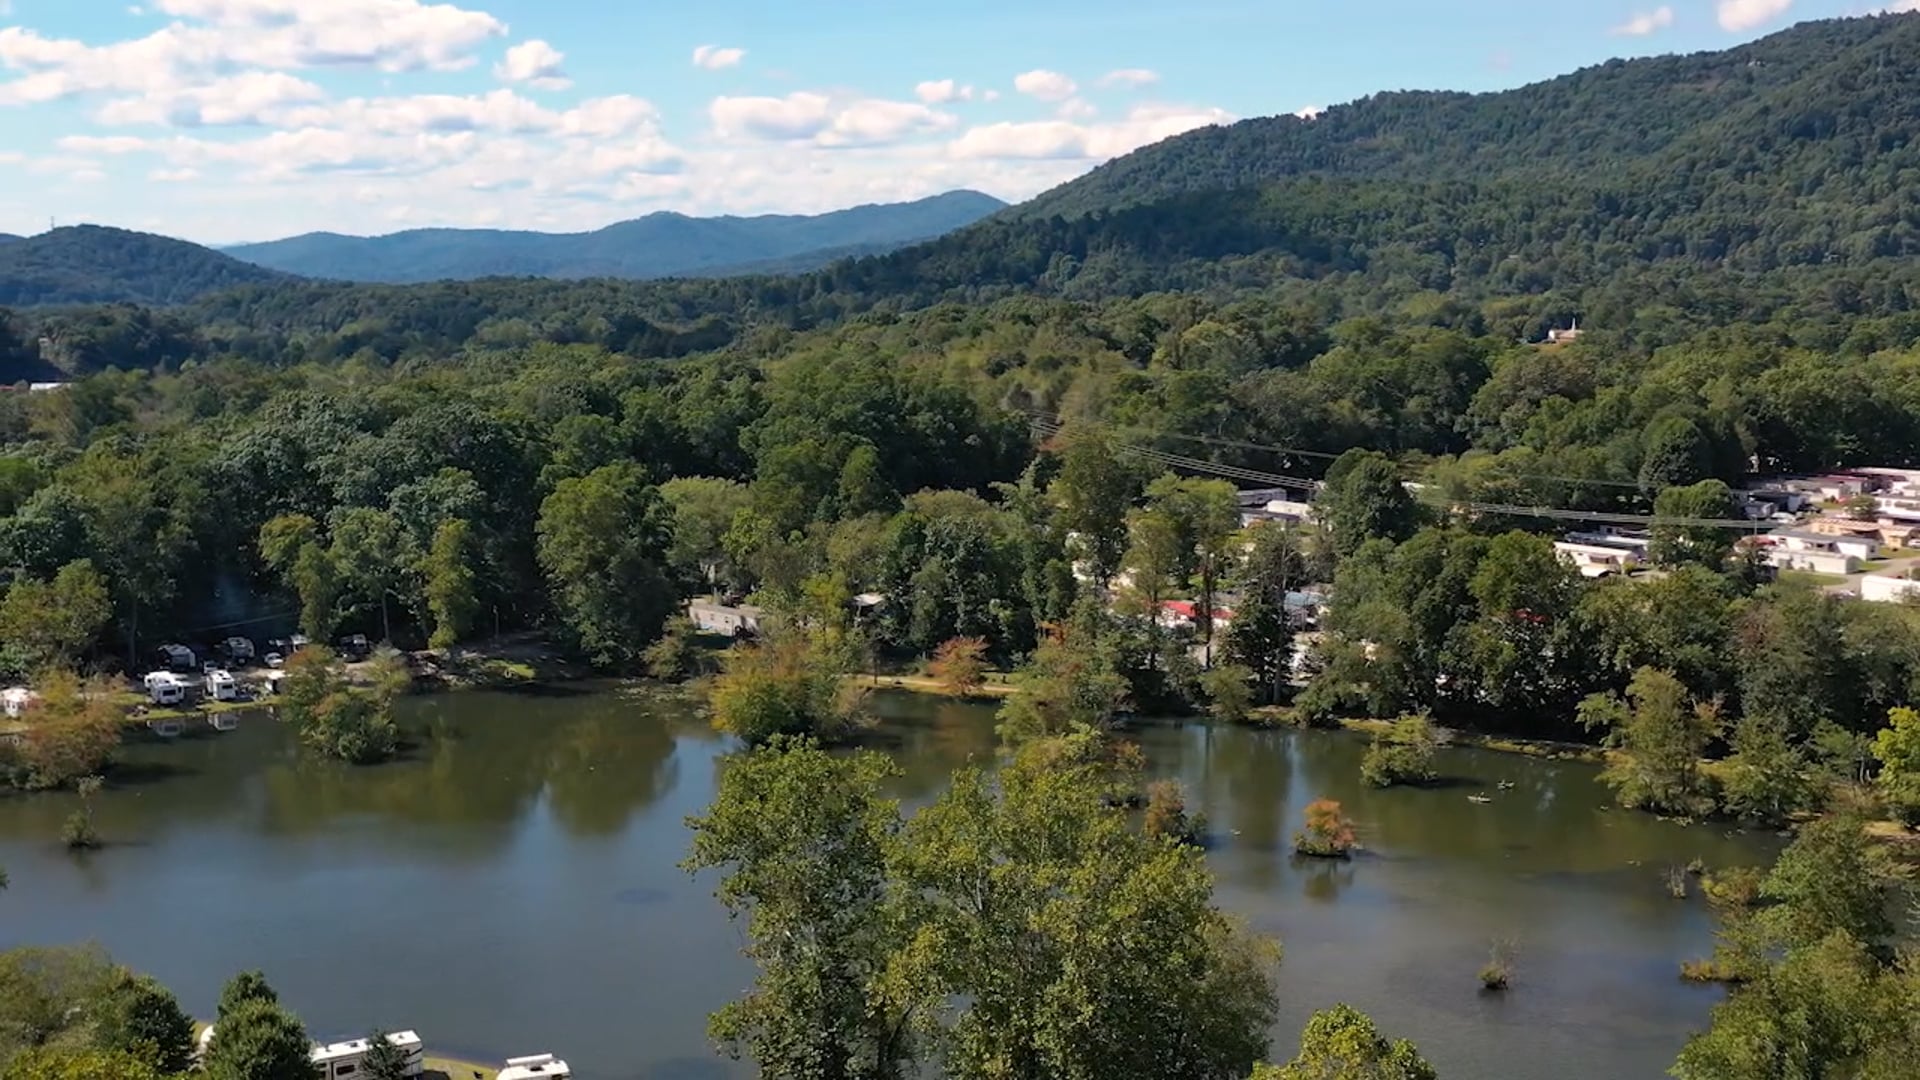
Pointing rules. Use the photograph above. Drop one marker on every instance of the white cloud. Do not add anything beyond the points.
(173, 176)
(1060, 140)
(1900, 7)
(1076, 109)
(1131, 78)
(713, 57)
(799, 115)
(1045, 85)
(210, 39)
(1739, 15)
(251, 97)
(806, 115)
(942, 91)
(1309, 112)
(1643, 23)
(535, 63)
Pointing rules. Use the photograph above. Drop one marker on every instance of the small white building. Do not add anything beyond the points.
(1557, 336)
(337, 1061)
(727, 620)
(1806, 540)
(536, 1067)
(1595, 560)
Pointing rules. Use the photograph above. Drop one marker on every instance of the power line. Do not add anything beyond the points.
(1289, 451)
(1053, 428)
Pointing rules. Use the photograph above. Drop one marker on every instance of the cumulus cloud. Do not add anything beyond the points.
(1130, 78)
(1045, 85)
(1076, 109)
(1643, 23)
(211, 39)
(943, 91)
(252, 97)
(1309, 112)
(1739, 15)
(713, 57)
(1061, 140)
(804, 115)
(535, 63)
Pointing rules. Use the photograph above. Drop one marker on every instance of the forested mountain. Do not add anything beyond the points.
(85, 264)
(658, 245)
(1822, 95)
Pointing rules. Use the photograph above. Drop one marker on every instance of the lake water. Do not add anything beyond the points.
(513, 887)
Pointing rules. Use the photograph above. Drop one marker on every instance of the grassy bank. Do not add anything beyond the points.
(996, 685)
(438, 1068)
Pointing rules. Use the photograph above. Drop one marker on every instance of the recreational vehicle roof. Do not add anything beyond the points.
(536, 1067)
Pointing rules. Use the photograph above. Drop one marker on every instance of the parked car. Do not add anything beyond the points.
(275, 660)
(355, 647)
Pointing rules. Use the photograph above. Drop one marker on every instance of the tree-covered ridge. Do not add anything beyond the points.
(654, 246)
(90, 264)
(1843, 88)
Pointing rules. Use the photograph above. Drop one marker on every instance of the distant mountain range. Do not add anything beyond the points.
(655, 246)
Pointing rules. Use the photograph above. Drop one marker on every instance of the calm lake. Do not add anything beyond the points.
(513, 887)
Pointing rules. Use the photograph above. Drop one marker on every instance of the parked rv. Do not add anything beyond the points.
(238, 650)
(176, 658)
(344, 1059)
(221, 686)
(536, 1067)
(165, 688)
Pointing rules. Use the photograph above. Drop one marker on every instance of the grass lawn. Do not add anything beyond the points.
(1808, 577)
(448, 1069)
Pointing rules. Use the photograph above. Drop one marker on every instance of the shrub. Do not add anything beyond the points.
(960, 666)
(1403, 754)
(1328, 833)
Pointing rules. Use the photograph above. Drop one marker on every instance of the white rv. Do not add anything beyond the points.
(15, 699)
(343, 1059)
(165, 688)
(238, 649)
(221, 685)
(536, 1067)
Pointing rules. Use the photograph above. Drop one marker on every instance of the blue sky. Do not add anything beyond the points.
(231, 120)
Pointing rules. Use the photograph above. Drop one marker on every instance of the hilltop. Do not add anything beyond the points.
(654, 246)
(85, 264)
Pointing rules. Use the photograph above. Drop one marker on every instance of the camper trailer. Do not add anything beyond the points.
(165, 688)
(175, 657)
(14, 701)
(239, 650)
(536, 1067)
(221, 686)
(344, 1059)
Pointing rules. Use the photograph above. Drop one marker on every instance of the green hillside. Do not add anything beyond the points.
(87, 264)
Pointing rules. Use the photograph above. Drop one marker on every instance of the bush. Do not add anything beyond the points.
(1403, 754)
(1167, 816)
(678, 654)
(790, 684)
(1328, 833)
(1497, 973)
(960, 666)
(1229, 690)
(78, 832)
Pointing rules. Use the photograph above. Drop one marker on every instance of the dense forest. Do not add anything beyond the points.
(86, 264)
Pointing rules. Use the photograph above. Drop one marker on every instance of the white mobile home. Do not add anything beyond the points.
(536, 1067)
(1597, 560)
(344, 1059)
(1889, 589)
(725, 619)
